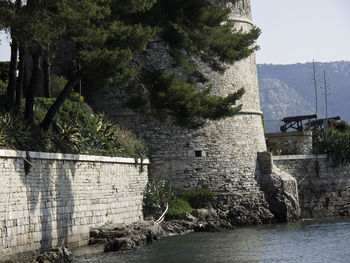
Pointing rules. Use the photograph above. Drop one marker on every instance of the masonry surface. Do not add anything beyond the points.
(61, 197)
(222, 155)
(324, 188)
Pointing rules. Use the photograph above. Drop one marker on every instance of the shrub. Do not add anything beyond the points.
(157, 194)
(16, 133)
(198, 198)
(75, 130)
(75, 96)
(57, 84)
(177, 207)
(3, 87)
(4, 70)
(115, 139)
(334, 143)
(341, 126)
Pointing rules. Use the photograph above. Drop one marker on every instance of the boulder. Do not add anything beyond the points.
(57, 255)
(281, 190)
(282, 195)
(121, 237)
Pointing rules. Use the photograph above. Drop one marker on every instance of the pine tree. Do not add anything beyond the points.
(104, 41)
(200, 29)
(106, 34)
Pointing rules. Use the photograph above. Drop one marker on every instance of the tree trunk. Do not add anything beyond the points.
(60, 100)
(33, 4)
(47, 72)
(28, 68)
(20, 79)
(13, 67)
(34, 82)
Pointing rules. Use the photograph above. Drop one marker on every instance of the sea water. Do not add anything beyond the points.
(306, 241)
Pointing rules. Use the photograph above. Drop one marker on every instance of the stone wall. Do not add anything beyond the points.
(61, 196)
(289, 143)
(281, 190)
(222, 154)
(324, 189)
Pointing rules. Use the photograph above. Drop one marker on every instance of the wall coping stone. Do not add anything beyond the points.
(296, 157)
(68, 157)
(289, 134)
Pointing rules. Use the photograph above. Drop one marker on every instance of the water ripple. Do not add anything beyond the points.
(309, 241)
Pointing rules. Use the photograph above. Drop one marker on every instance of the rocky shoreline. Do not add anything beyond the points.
(56, 255)
(125, 237)
(122, 237)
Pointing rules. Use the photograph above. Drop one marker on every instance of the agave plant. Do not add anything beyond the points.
(15, 132)
(118, 141)
(67, 137)
(3, 140)
(334, 143)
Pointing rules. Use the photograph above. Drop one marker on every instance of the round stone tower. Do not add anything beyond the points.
(221, 155)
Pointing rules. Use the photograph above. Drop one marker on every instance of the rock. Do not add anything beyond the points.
(121, 237)
(57, 255)
(205, 214)
(283, 196)
(120, 244)
(242, 216)
(208, 227)
(178, 226)
(281, 190)
(189, 217)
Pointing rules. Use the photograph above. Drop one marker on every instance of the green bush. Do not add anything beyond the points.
(157, 194)
(4, 70)
(57, 84)
(334, 143)
(3, 87)
(15, 132)
(177, 207)
(341, 126)
(5, 103)
(75, 130)
(198, 198)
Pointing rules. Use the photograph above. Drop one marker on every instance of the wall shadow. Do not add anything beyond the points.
(65, 204)
(50, 201)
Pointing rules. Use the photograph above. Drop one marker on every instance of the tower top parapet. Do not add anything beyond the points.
(241, 9)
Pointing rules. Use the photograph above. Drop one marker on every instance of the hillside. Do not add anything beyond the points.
(287, 90)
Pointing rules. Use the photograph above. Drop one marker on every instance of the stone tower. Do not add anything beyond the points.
(222, 155)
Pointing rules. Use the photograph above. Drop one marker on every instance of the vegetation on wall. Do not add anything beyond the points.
(335, 142)
(170, 96)
(158, 194)
(75, 130)
(177, 207)
(105, 35)
(197, 31)
(199, 198)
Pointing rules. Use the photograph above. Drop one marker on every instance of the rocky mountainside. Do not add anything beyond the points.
(288, 90)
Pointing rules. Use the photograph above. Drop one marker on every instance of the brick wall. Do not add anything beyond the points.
(289, 143)
(324, 189)
(222, 154)
(61, 197)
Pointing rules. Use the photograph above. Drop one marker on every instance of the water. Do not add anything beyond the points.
(308, 241)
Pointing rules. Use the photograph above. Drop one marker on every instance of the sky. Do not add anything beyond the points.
(299, 31)
(293, 31)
